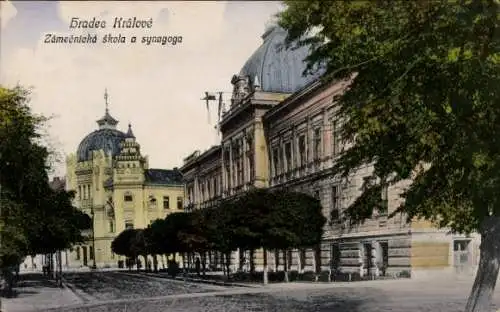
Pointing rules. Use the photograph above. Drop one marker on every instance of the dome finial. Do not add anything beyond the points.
(106, 99)
(107, 122)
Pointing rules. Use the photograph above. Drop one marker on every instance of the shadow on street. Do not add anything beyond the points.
(27, 284)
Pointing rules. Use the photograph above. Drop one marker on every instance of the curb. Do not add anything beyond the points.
(217, 283)
(82, 297)
(200, 280)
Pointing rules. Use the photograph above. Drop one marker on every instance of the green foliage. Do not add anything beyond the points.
(122, 244)
(256, 219)
(423, 89)
(33, 217)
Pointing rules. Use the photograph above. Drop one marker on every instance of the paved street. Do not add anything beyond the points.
(120, 291)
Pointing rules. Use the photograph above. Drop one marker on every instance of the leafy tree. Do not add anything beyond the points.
(220, 229)
(34, 218)
(295, 221)
(251, 220)
(422, 104)
(62, 224)
(121, 244)
(153, 245)
(162, 237)
(139, 246)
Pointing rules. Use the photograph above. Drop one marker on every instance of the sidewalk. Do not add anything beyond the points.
(33, 296)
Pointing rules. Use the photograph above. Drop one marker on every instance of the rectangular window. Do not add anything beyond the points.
(275, 162)
(335, 138)
(111, 227)
(385, 201)
(317, 144)
(112, 255)
(288, 156)
(179, 202)
(127, 198)
(77, 253)
(209, 189)
(166, 202)
(335, 211)
(251, 166)
(240, 170)
(91, 253)
(302, 150)
(129, 225)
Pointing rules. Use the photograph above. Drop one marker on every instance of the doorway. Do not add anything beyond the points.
(383, 258)
(335, 256)
(367, 261)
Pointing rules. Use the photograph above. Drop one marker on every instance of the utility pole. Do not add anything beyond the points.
(216, 97)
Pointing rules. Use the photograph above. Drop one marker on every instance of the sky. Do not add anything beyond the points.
(157, 88)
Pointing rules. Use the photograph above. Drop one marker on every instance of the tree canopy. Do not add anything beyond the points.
(256, 219)
(424, 92)
(34, 218)
(422, 103)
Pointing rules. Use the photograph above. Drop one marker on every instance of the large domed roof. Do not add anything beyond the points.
(102, 139)
(278, 69)
(106, 138)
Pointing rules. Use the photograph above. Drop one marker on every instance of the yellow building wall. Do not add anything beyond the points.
(430, 254)
(139, 211)
(158, 211)
(422, 224)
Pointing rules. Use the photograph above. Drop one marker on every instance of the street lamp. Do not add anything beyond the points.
(93, 238)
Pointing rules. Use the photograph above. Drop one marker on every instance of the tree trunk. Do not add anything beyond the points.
(60, 268)
(489, 264)
(52, 271)
(265, 271)
(223, 263)
(155, 263)
(9, 279)
(241, 262)
(204, 263)
(252, 261)
(317, 262)
(228, 263)
(276, 260)
(146, 263)
(285, 265)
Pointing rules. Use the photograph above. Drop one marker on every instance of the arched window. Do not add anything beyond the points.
(152, 199)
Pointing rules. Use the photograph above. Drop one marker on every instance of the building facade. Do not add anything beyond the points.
(116, 187)
(281, 132)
